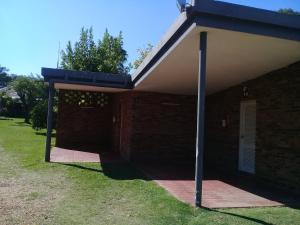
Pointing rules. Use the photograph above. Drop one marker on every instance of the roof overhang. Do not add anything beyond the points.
(243, 43)
(87, 81)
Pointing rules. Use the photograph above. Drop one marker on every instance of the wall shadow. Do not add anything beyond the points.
(80, 167)
(116, 171)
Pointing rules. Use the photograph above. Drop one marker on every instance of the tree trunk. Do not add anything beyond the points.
(26, 115)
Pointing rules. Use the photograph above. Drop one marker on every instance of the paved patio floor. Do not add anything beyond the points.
(218, 192)
(61, 155)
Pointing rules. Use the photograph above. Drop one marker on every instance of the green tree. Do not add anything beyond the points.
(4, 76)
(30, 92)
(38, 115)
(107, 55)
(5, 103)
(39, 112)
(142, 55)
(289, 11)
(9, 107)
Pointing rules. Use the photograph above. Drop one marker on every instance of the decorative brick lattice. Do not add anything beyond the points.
(86, 98)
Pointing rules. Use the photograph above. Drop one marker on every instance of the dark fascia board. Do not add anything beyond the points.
(180, 31)
(235, 11)
(246, 19)
(233, 17)
(87, 78)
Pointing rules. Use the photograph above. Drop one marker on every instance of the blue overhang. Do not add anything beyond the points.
(87, 78)
(246, 19)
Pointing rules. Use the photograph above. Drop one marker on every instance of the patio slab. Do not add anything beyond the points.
(217, 193)
(61, 155)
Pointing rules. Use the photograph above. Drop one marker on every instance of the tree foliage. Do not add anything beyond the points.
(33, 94)
(10, 107)
(142, 55)
(30, 90)
(5, 104)
(107, 55)
(38, 115)
(289, 11)
(4, 76)
(3, 70)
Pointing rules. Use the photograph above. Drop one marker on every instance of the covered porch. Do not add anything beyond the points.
(240, 63)
(177, 105)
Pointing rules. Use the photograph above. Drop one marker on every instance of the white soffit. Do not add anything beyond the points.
(80, 87)
(232, 58)
(175, 26)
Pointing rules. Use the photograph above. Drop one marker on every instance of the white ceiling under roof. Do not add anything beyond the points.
(232, 58)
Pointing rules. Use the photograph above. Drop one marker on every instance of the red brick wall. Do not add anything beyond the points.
(84, 128)
(123, 125)
(141, 126)
(158, 126)
(278, 126)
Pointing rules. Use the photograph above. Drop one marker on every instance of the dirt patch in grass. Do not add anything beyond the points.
(28, 197)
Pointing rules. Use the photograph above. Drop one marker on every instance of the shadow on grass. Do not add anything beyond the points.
(5, 118)
(81, 167)
(44, 134)
(21, 124)
(122, 171)
(116, 171)
(258, 221)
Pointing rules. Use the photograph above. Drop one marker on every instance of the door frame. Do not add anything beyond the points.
(242, 129)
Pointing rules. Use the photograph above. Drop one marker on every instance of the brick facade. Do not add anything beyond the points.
(141, 126)
(158, 127)
(83, 128)
(277, 127)
(162, 127)
(123, 123)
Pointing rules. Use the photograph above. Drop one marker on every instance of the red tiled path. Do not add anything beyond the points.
(215, 193)
(61, 155)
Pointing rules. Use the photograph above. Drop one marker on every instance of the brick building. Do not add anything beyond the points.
(245, 74)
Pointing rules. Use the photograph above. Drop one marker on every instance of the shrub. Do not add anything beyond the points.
(38, 115)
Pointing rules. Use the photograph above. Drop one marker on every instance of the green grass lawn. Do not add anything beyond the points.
(34, 192)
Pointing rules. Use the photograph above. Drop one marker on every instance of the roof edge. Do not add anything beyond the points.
(253, 14)
(228, 16)
(87, 78)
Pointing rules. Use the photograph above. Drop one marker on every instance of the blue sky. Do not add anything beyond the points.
(31, 30)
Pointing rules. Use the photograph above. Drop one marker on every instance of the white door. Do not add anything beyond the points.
(247, 136)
